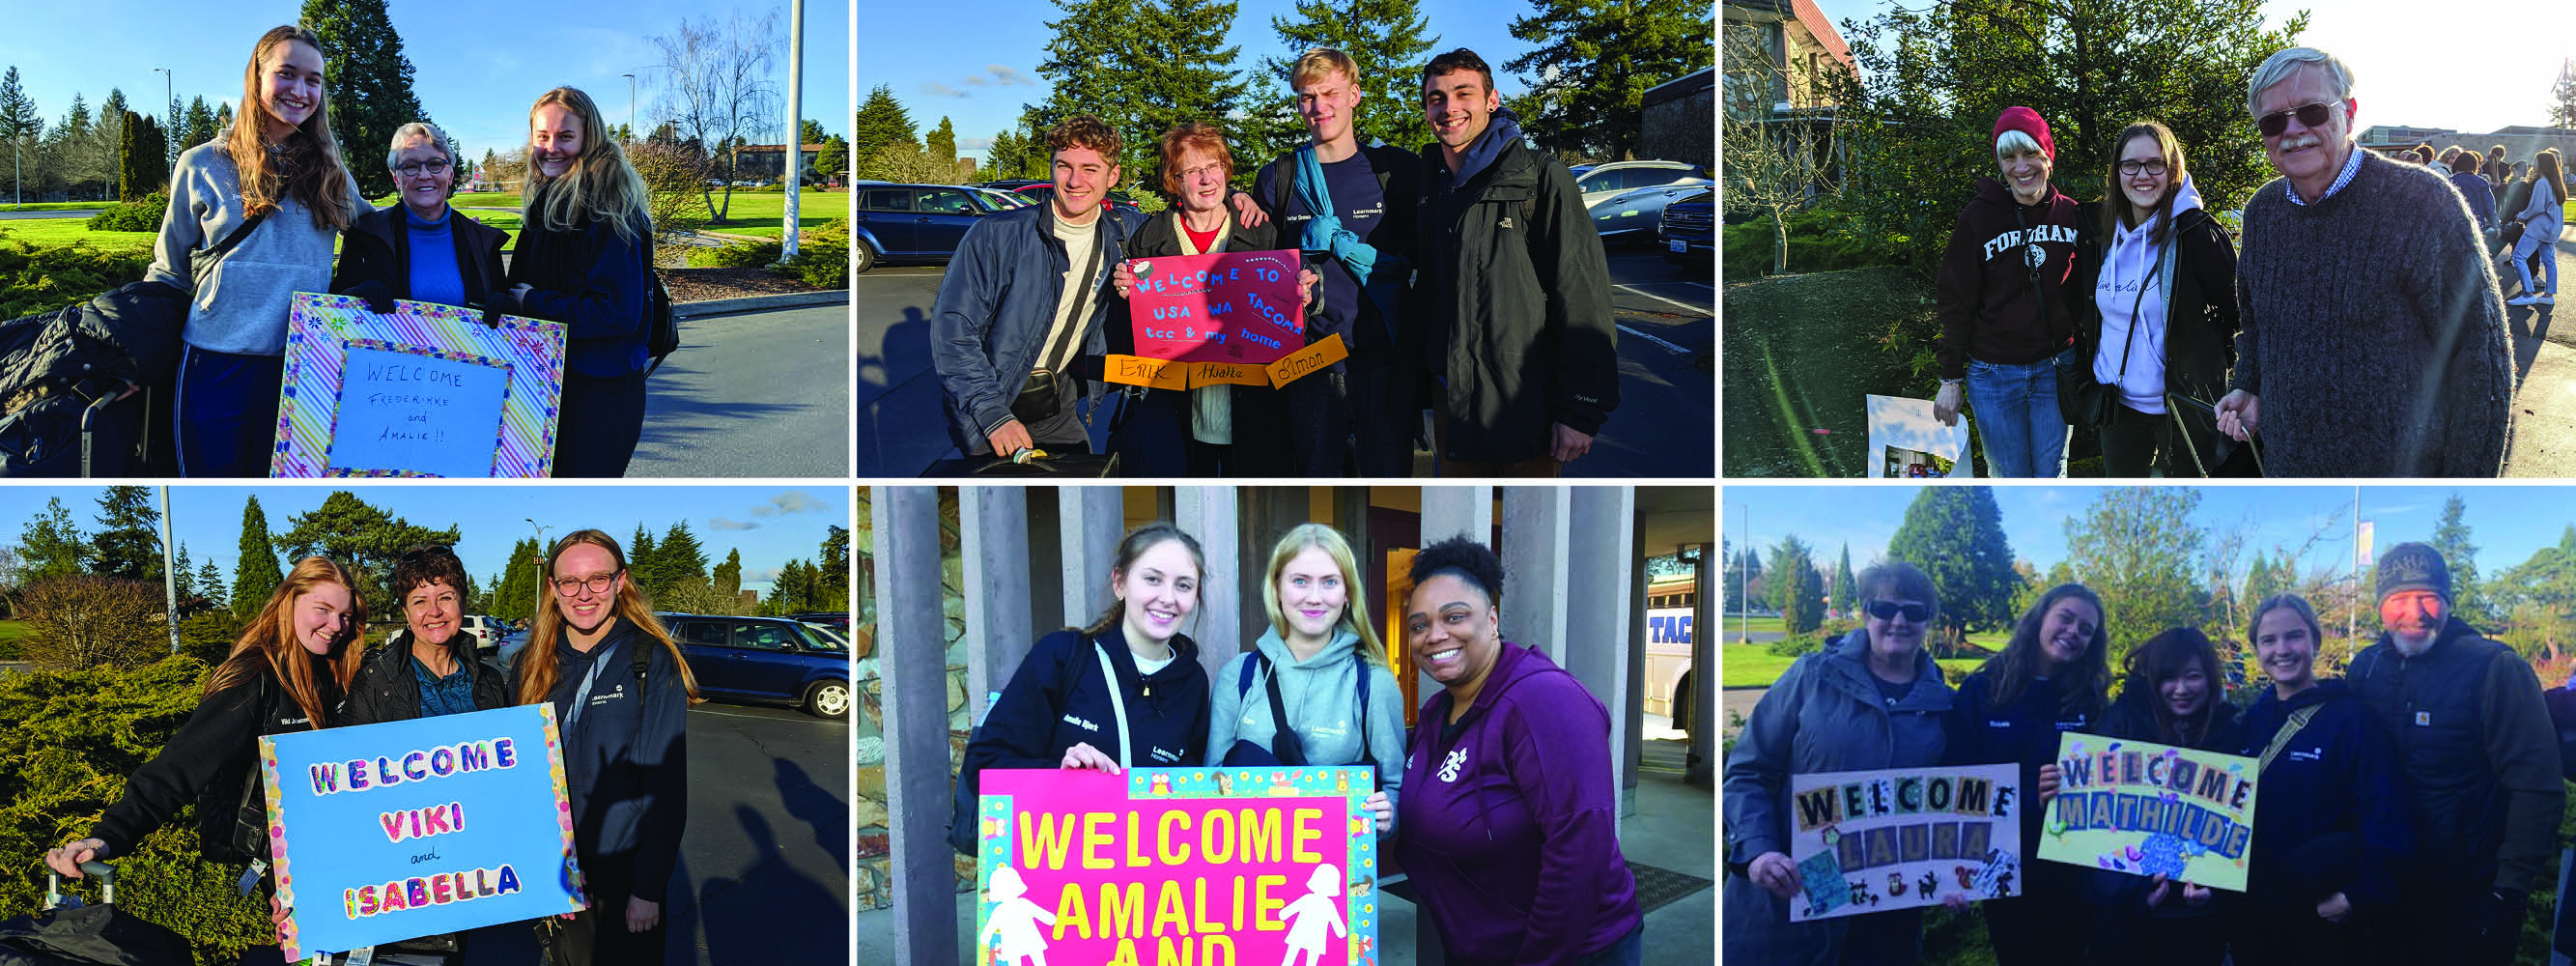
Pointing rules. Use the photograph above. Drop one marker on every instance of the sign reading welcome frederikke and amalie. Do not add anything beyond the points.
(414, 828)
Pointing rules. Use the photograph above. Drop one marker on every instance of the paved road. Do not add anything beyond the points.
(1665, 425)
(757, 394)
(41, 213)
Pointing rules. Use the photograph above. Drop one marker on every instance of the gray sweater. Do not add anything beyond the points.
(1321, 694)
(242, 307)
(2373, 333)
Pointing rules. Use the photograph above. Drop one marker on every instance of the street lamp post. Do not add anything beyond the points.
(795, 164)
(169, 119)
(630, 106)
(540, 602)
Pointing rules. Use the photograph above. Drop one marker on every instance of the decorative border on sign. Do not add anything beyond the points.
(563, 807)
(320, 330)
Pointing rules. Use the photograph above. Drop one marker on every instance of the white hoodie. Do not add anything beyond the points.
(2129, 265)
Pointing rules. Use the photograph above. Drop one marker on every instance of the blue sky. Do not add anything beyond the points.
(476, 64)
(2477, 69)
(1001, 45)
(2506, 523)
(769, 524)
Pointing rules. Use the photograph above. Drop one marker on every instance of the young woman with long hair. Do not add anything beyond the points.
(2541, 218)
(1132, 674)
(286, 673)
(2160, 325)
(1336, 700)
(277, 160)
(2052, 677)
(585, 259)
(621, 691)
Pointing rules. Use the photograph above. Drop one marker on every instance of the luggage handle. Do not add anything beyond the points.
(103, 872)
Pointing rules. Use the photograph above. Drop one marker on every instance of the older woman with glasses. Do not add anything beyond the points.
(420, 249)
(1872, 700)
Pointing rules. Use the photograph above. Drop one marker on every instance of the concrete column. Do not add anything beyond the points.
(1091, 520)
(1208, 513)
(993, 531)
(1632, 758)
(1701, 767)
(1451, 511)
(912, 659)
(1536, 566)
(1266, 514)
(1601, 548)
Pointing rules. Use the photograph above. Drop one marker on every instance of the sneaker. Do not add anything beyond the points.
(2525, 298)
(2544, 298)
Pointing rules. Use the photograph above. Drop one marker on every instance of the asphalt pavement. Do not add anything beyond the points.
(49, 213)
(1665, 426)
(753, 394)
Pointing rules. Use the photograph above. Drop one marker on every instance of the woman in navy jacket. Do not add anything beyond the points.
(2332, 826)
(626, 761)
(1125, 692)
(585, 259)
(2050, 679)
(2172, 695)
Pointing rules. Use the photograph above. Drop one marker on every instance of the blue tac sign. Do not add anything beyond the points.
(414, 828)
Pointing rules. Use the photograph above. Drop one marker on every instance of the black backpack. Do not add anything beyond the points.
(661, 331)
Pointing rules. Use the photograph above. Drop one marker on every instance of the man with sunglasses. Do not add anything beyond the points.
(2374, 341)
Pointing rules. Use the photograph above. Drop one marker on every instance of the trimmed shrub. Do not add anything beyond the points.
(143, 215)
(39, 279)
(1820, 240)
(1796, 644)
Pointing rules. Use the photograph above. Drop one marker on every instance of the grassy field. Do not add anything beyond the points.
(64, 231)
(1754, 666)
(762, 214)
(56, 206)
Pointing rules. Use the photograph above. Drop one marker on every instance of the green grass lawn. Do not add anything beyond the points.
(760, 213)
(1754, 666)
(64, 231)
(56, 206)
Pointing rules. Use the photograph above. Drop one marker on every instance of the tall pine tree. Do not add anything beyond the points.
(255, 571)
(127, 546)
(210, 585)
(140, 167)
(369, 79)
(20, 127)
(1596, 58)
(1143, 66)
(52, 545)
(200, 126)
(880, 122)
(727, 580)
(1955, 535)
(1389, 40)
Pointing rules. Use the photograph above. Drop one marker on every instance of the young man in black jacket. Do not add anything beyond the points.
(1514, 285)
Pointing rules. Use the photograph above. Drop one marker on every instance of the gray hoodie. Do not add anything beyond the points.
(1321, 694)
(242, 308)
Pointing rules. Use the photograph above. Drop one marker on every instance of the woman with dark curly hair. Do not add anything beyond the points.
(2050, 679)
(1512, 837)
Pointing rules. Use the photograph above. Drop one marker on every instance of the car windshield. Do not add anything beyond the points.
(823, 638)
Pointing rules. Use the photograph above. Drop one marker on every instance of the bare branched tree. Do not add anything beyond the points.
(719, 90)
(1775, 163)
(83, 621)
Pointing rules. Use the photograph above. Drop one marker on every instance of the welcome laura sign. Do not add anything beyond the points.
(2144, 808)
(428, 390)
(1870, 841)
(1204, 866)
(413, 828)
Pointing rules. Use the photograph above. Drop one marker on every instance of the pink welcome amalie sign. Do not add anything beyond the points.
(1177, 867)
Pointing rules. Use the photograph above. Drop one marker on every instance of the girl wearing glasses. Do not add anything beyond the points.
(1872, 700)
(2173, 695)
(2050, 679)
(621, 692)
(277, 161)
(286, 673)
(2007, 318)
(421, 249)
(2161, 322)
(585, 259)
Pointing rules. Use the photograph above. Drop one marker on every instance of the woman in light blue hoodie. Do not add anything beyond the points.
(278, 162)
(2161, 325)
(1317, 690)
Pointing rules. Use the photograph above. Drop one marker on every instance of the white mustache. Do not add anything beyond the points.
(2305, 142)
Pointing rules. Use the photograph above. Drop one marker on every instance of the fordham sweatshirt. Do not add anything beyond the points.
(1987, 307)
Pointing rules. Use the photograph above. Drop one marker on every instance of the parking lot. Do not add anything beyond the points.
(1665, 425)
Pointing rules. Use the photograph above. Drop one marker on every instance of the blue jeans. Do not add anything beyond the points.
(2015, 410)
(227, 412)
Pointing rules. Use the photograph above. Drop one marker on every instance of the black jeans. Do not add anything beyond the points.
(2135, 443)
(2462, 925)
(611, 883)
(2045, 924)
(601, 421)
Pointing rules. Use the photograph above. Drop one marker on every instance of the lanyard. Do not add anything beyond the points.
(1117, 703)
(582, 700)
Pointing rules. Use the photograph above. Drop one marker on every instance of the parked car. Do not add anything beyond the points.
(1045, 191)
(769, 660)
(1619, 177)
(910, 222)
(1634, 215)
(1689, 231)
(837, 620)
(486, 629)
(998, 200)
(1011, 184)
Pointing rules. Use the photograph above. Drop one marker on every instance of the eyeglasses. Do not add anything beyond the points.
(1888, 609)
(2154, 166)
(596, 583)
(2310, 115)
(417, 168)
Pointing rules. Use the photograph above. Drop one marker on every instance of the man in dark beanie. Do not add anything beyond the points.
(2481, 762)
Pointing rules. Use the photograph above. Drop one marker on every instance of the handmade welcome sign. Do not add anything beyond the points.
(2143, 808)
(428, 390)
(1207, 866)
(1870, 841)
(413, 828)
(1223, 317)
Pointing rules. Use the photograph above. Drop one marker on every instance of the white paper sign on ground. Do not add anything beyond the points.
(1906, 441)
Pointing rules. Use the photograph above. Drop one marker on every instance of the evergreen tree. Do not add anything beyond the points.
(880, 122)
(71, 148)
(792, 590)
(371, 93)
(1955, 535)
(52, 546)
(210, 585)
(223, 117)
(943, 142)
(107, 138)
(728, 580)
(832, 571)
(20, 128)
(362, 537)
(834, 160)
(681, 557)
(1795, 590)
(2562, 96)
(2451, 540)
(1389, 40)
(127, 546)
(183, 578)
(1011, 155)
(2137, 549)
(518, 590)
(139, 169)
(1846, 589)
(1595, 60)
(255, 571)
(200, 127)
(644, 562)
(810, 131)
(1143, 66)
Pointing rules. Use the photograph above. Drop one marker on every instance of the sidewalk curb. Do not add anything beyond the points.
(758, 303)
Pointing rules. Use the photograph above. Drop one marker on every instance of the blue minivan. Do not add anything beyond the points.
(768, 660)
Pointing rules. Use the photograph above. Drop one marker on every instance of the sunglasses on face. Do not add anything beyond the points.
(2310, 115)
(1888, 609)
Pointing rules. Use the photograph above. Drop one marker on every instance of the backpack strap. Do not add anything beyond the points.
(2281, 739)
(1243, 681)
(1290, 752)
(1117, 701)
(1367, 757)
(643, 661)
(234, 240)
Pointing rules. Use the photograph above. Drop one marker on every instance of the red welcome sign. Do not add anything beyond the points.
(1222, 307)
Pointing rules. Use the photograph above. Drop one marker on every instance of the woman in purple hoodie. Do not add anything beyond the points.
(1511, 838)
